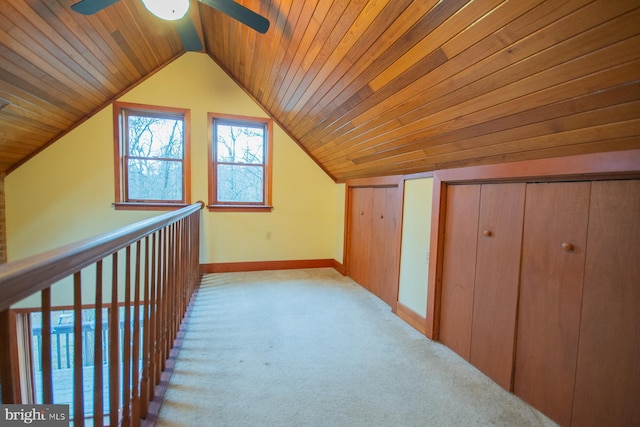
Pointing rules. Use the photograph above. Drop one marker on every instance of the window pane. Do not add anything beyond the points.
(154, 180)
(240, 183)
(155, 137)
(240, 144)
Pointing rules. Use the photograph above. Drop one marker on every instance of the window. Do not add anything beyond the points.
(62, 352)
(151, 156)
(240, 166)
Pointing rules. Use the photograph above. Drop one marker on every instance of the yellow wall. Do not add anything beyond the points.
(65, 193)
(416, 234)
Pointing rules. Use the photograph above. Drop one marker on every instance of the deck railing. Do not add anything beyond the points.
(151, 268)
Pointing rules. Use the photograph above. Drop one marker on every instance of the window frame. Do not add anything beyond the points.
(214, 203)
(121, 110)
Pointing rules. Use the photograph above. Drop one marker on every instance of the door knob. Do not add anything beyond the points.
(487, 233)
(567, 247)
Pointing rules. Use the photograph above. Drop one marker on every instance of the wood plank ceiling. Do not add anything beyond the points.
(367, 88)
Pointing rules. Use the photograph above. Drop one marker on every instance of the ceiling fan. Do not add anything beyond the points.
(176, 10)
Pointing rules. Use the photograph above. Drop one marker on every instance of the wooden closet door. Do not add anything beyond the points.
(385, 251)
(553, 255)
(373, 240)
(608, 373)
(359, 243)
(459, 267)
(496, 280)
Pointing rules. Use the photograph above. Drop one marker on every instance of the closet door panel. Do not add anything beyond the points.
(458, 270)
(385, 257)
(373, 253)
(608, 371)
(360, 225)
(553, 256)
(496, 281)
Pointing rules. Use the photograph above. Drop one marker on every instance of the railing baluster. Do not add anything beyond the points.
(175, 309)
(45, 348)
(181, 275)
(146, 357)
(194, 269)
(165, 299)
(126, 350)
(78, 379)
(68, 352)
(186, 264)
(135, 406)
(153, 318)
(173, 290)
(58, 349)
(97, 352)
(114, 347)
(159, 308)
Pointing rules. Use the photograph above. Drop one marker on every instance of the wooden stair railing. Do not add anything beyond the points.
(154, 269)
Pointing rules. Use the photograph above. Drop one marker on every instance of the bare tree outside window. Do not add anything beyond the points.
(155, 150)
(152, 156)
(240, 163)
(240, 159)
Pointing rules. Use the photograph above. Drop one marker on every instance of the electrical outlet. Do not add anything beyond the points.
(268, 235)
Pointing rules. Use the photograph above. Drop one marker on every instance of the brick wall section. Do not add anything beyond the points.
(3, 223)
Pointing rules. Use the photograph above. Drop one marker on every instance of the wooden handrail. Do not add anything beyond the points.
(25, 277)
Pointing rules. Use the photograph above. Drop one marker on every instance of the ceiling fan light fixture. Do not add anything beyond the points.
(167, 10)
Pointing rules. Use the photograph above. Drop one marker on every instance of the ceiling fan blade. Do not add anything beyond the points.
(89, 7)
(240, 13)
(188, 34)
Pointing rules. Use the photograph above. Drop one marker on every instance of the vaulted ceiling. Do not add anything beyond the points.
(367, 88)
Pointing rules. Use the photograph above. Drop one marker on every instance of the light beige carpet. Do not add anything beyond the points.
(313, 348)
